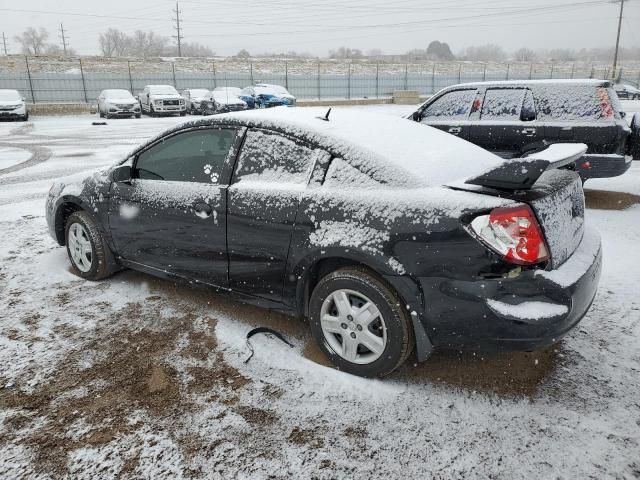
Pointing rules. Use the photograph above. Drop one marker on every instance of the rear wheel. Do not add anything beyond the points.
(90, 256)
(358, 322)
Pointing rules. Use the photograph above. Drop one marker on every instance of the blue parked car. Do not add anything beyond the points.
(264, 95)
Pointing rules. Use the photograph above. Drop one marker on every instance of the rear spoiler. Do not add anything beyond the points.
(522, 173)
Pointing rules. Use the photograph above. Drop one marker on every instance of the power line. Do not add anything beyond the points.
(178, 35)
(64, 38)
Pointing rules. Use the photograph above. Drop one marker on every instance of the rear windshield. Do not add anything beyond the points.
(577, 102)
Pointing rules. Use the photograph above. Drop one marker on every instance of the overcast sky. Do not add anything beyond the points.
(315, 26)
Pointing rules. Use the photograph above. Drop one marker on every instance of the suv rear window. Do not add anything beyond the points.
(576, 102)
(453, 105)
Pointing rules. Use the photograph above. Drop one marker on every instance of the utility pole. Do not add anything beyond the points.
(615, 55)
(4, 42)
(63, 37)
(178, 35)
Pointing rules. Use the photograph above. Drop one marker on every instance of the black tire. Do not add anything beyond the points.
(183, 114)
(100, 113)
(25, 118)
(138, 115)
(103, 263)
(399, 330)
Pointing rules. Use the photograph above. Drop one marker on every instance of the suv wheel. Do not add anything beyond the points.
(90, 256)
(359, 323)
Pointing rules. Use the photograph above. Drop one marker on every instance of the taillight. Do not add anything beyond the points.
(514, 233)
(605, 104)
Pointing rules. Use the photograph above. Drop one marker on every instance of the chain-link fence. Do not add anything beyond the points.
(56, 80)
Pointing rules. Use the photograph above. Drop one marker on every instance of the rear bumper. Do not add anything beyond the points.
(531, 311)
(602, 166)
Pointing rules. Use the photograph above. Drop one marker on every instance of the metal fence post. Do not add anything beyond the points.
(459, 72)
(593, 72)
(130, 79)
(318, 78)
(84, 85)
(508, 66)
(215, 80)
(573, 67)
(406, 76)
(349, 81)
(251, 71)
(33, 97)
(530, 70)
(433, 78)
(551, 76)
(286, 75)
(484, 72)
(173, 70)
(377, 79)
(619, 75)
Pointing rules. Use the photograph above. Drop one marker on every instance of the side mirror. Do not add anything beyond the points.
(415, 116)
(121, 174)
(527, 116)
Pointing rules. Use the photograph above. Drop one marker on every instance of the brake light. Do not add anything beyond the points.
(514, 233)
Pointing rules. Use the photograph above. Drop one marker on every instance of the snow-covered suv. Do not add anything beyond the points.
(161, 99)
(13, 105)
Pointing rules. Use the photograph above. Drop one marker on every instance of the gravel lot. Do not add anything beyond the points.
(136, 377)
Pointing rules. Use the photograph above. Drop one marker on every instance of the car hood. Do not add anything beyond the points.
(167, 96)
(119, 101)
(11, 103)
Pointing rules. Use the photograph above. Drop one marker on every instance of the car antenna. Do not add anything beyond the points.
(326, 117)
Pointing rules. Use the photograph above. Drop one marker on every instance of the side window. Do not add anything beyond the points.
(502, 104)
(343, 174)
(194, 156)
(453, 105)
(273, 158)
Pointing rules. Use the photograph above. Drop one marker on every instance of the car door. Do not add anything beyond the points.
(271, 173)
(171, 215)
(450, 112)
(506, 123)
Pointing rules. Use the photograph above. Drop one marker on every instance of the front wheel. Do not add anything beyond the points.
(360, 323)
(90, 256)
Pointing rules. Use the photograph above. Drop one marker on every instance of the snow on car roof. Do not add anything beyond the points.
(390, 147)
(565, 81)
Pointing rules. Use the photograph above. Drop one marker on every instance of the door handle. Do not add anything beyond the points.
(455, 130)
(529, 132)
(203, 210)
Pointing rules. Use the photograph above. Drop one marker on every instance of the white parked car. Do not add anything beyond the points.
(194, 98)
(13, 105)
(161, 100)
(118, 103)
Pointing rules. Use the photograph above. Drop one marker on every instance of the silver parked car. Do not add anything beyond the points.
(194, 97)
(118, 103)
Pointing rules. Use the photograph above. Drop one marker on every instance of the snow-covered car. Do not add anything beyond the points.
(13, 105)
(626, 91)
(194, 98)
(223, 101)
(264, 95)
(161, 100)
(387, 235)
(118, 103)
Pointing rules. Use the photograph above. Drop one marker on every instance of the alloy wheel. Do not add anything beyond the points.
(80, 247)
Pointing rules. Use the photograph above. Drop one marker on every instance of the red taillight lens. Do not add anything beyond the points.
(605, 104)
(513, 232)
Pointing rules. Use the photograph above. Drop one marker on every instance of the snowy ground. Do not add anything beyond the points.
(140, 377)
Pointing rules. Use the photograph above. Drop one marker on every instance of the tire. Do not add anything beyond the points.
(99, 262)
(356, 286)
(100, 113)
(183, 114)
(152, 112)
(25, 118)
(138, 115)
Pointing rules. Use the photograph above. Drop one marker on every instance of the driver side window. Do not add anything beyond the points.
(193, 156)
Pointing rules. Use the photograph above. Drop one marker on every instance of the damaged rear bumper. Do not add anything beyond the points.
(533, 310)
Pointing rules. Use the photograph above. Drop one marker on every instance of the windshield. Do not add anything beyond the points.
(10, 95)
(201, 92)
(163, 90)
(118, 95)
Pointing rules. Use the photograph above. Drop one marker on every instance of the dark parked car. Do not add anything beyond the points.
(515, 118)
(387, 235)
(264, 95)
(626, 91)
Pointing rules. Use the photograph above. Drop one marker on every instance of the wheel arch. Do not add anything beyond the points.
(66, 206)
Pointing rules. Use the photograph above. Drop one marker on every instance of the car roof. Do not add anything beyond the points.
(559, 81)
(393, 147)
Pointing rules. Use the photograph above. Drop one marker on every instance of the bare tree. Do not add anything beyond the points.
(485, 53)
(114, 43)
(32, 41)
(524, 55)
(148, 44)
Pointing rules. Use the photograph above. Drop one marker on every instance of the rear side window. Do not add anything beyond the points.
(194, 156)
(271, 157)
(503, 104)
(454, 105)
(575, 102)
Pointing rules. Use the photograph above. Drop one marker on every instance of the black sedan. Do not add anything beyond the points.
(387, 235)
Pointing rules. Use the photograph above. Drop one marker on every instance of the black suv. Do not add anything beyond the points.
(516, 118)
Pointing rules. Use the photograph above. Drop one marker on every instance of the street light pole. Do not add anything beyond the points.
(615, 55)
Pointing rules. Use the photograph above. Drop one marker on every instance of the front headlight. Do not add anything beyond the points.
(157, 102)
